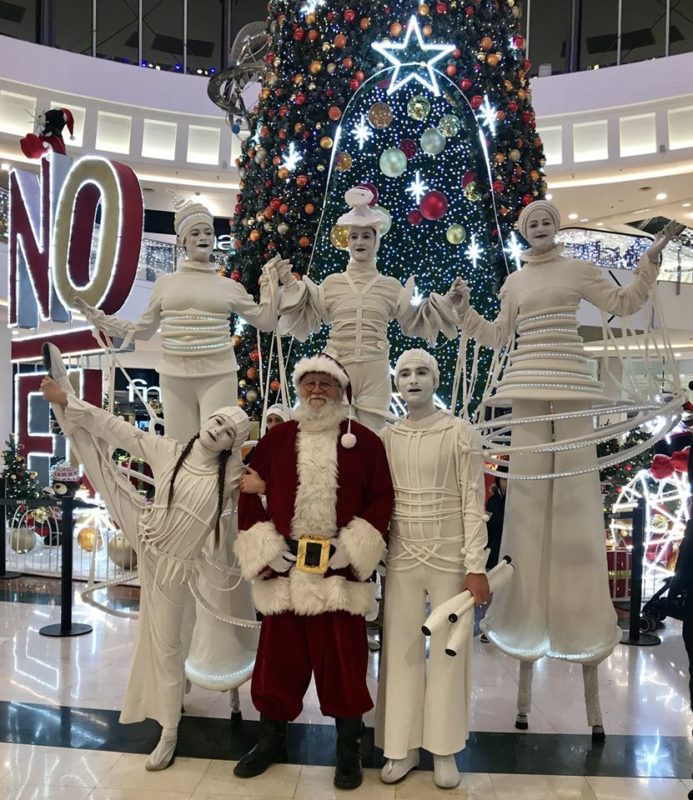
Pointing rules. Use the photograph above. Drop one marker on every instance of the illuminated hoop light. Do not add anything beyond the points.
(90, 181)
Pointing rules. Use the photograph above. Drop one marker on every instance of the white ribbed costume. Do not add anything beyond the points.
(169, 544)
(197, 365)
(437, 535)
(557, 602)
(358, 304)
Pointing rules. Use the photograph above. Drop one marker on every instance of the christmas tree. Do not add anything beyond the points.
(615, 477)
(20, 482)
(429, 104)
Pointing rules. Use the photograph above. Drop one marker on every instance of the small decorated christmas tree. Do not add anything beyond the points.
(21, 483)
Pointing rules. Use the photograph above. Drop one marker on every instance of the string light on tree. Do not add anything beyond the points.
(435, 53)
(362, 132)
(417, 189)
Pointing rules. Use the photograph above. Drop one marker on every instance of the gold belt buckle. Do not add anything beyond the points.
(313, 555)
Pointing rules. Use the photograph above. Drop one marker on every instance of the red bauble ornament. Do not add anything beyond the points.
(465, 84)
(415, 217)
(526, 199)
(275, 385)
(433, 205)
(371, 188)
(498, 187)
(451, 70)
(300, 99)
(477, 101)
(469, 11)
(408, 147)
(334, 113)
(348, 62)
(526, 117)
(468, 177)
(251, 373)
(304, 242)
(457, 53)
(512, 107)
(269, 58)
(254, 355)
(235, 275)
(301, 181)
(500, 115)
(299, 35)
(441, 8)
(354, 84)
(275, 202)
(349, 15)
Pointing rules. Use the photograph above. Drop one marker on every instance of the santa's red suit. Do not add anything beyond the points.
(314, 623)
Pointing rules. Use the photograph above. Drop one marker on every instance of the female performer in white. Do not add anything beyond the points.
(436, 548)
(558, 602)
(193, 485)
(358, 304)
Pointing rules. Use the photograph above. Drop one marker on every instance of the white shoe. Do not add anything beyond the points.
(53, 362)
(163, 754)
(445, 772)
(396, 769)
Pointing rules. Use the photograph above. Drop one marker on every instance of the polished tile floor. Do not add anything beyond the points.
(59, 736)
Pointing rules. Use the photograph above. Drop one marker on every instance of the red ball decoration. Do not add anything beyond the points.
(518, 41)
(469, 11)
(334, 113)
(254, 355)
(433, 205)
(465, 84)
(275, 385)
(300, 99)
(251, 373)
(498, 187)
(235, 275)
(299, 35)
(477, 101)
(468, 177)
(526, 199)
(408, 147)
(354, 84)
(512, 106)
(451, 70)
(415, 217)
(349, 15)
(371, 188)
(441, 8)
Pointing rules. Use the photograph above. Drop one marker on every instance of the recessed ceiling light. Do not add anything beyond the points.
(5, 166)
(686, 205)
(677, 355)
(661, 196)
(600, 224)
(549, 196)
(572, 216)
(584, 219)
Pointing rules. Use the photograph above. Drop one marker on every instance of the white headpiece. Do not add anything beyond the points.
(280, 411)
(538, 206)
(416, 357)
(188, 214)
(240, 422)
(361, 215)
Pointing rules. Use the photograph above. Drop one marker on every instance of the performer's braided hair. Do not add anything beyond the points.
(221, 481)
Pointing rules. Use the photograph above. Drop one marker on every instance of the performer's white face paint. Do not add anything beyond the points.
(541, 232)
(217, 433)
(362, 243)
(416, 384)
(199, 243)
(317, 389)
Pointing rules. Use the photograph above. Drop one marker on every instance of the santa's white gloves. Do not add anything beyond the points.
(162, 755)
(339, 558)
(283, 562)
(458, 294)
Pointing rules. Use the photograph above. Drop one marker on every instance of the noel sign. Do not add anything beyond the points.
(52, 224)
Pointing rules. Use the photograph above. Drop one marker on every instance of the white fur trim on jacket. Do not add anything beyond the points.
(315, 507)
(309, 595)
(256, 547)
(364, 545)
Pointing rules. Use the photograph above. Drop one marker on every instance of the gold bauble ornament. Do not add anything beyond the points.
(419, 107)
(326, 143)
(120, 552)
(456, 234)
(343, 162)
(339, 237)
(472, 193)
(235, 340)
(514, 155)
(380, 115)
(89, 539)
(424, 9)
(251, 395)
(315, 67)
(22, 540)
(449, 125)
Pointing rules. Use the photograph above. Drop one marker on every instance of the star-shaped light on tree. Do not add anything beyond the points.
(291, 160)
(419, 60)
(514, 249)
(417, 189)
(310, 6)
(361, 132)
(474, 251)
(488, 115)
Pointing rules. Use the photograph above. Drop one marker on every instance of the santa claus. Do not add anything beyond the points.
(311, 554)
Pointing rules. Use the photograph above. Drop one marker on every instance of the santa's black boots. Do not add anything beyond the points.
(347, 774)
(270, 749)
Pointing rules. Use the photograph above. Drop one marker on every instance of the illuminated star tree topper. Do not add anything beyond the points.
(418, 59)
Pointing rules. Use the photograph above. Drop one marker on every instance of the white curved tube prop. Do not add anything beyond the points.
(497, 577)
(451, 609)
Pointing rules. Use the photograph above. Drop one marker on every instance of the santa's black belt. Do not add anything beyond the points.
(312, 553)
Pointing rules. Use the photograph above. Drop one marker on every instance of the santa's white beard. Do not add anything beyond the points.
(329, 415)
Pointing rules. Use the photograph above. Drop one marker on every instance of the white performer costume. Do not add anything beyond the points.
(437, 536)
(558, 601)
(198, 374)
(358, 304)
(168, 539)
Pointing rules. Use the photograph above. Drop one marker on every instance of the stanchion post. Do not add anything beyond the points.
(67, 627)
(635, 635)
(4, 574)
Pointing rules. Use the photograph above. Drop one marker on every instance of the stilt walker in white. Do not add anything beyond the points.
(557, 603)
(193, 486)
(198, 370)
(436, 548)
(358, 305)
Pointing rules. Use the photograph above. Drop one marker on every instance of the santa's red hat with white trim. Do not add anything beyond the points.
(328, 365)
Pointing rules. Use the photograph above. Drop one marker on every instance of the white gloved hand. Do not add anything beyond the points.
(339, 558)
(459, 295)
(283, 562)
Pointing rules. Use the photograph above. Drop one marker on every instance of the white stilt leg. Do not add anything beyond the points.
(235, 700)
(594, 712)
(524, 694)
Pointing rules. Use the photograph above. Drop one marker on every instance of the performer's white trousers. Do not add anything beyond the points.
(188, 402)
(558, 600)
(372, 390)
(422, 702)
